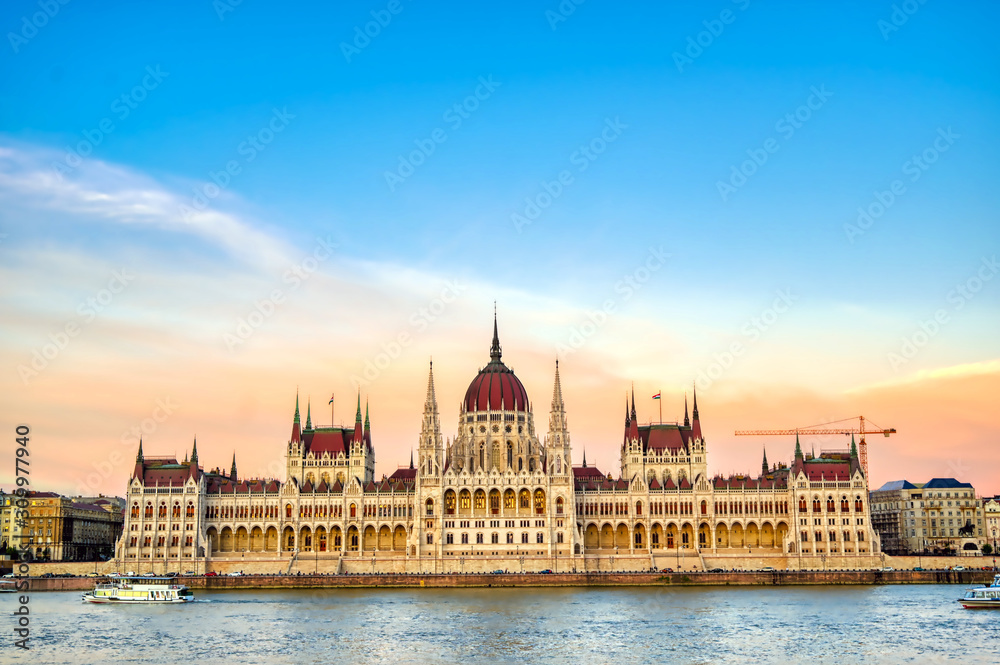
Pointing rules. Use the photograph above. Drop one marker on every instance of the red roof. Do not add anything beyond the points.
(165, 475)
(494, 387)
(404, 474)
(333, 441)
(665, 437)
(838, 471)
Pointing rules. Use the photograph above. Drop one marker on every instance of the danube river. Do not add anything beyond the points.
(817, 624)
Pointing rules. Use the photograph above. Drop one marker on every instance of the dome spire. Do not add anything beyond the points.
(495, 348)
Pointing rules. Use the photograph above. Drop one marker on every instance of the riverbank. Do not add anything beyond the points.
(485, 580)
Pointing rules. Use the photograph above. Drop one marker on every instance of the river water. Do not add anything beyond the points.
(832, 624)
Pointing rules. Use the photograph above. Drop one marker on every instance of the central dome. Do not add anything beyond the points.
(496, 387)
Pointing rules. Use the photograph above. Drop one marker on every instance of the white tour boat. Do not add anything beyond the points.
(982, 596)
(139, 590)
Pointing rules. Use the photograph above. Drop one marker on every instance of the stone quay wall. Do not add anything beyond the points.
(394, 580)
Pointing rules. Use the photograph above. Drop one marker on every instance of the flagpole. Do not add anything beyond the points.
(660, 393)
(332, 422)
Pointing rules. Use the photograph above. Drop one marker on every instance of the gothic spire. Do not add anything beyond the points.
(763, 465)
(557, 398)
(495, 348)
(431, 401)
(309, 420)
(411, 458)
(357, 417)
(854, 447)
(584, 457)
(194, 452)
(687, 421)
(368, 423)
(694, 412)
(138, 456)
(296, 421)
(232, 471)
(798, 448)
(633, 402)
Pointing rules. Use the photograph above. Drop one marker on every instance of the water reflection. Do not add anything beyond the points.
(891, 624)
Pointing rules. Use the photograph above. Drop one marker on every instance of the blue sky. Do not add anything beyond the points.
(345, 122)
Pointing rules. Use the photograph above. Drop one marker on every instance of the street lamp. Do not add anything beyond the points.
(373, 563)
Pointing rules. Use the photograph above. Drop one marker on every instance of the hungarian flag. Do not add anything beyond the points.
(331, 400)
(656, 396)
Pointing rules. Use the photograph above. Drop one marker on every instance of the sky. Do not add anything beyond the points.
(208, 207)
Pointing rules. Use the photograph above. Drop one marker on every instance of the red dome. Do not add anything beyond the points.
(496, 385)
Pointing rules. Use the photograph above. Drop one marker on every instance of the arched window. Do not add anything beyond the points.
(559, 506)
(288, 510)
(149, 510)
(510, 455)
(190, 510)
(539, 538)
(495, 538)
(135, 510)
(163, 510)
(704, 508)
(524, 499)
(638, 538)
(847, 536)
(520, 464)
(510, 539)
(429, 505)
(845, 507)
(531, 465)
(802, 505)
(816, 505)
(177, 509)
(861, 536)
(449, 502)
(858, 506)
(830, 507)
(539, 502)
(354, 509)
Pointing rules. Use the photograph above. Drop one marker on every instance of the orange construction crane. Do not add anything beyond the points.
(822, 429)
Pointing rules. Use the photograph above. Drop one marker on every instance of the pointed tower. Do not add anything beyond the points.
(309, 419)
(362, 454)
(763, 465)
(695, 419)
(687, 421)
(139, 469)
(633, 460)
(296, 429)
(558, 454)
(193, 466)
(232, 470)
(430, 447)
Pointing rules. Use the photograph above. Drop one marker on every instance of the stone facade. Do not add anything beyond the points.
(941, 514)
(496, 495)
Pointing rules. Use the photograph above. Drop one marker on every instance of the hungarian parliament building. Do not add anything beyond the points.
(497, 496)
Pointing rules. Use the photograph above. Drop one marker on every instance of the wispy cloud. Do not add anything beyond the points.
(101, 192)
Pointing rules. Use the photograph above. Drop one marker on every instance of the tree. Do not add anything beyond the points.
(987, 549)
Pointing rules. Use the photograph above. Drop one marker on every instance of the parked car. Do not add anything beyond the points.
(149, 574)
(93, 574)
(887, 569)
(666, 570)
(130, 573)
(189, 572)
(716, 570)
(547, 571)
(498, 571)
(768, 569)
(236, 573)
(959, 568)
(211, 573)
